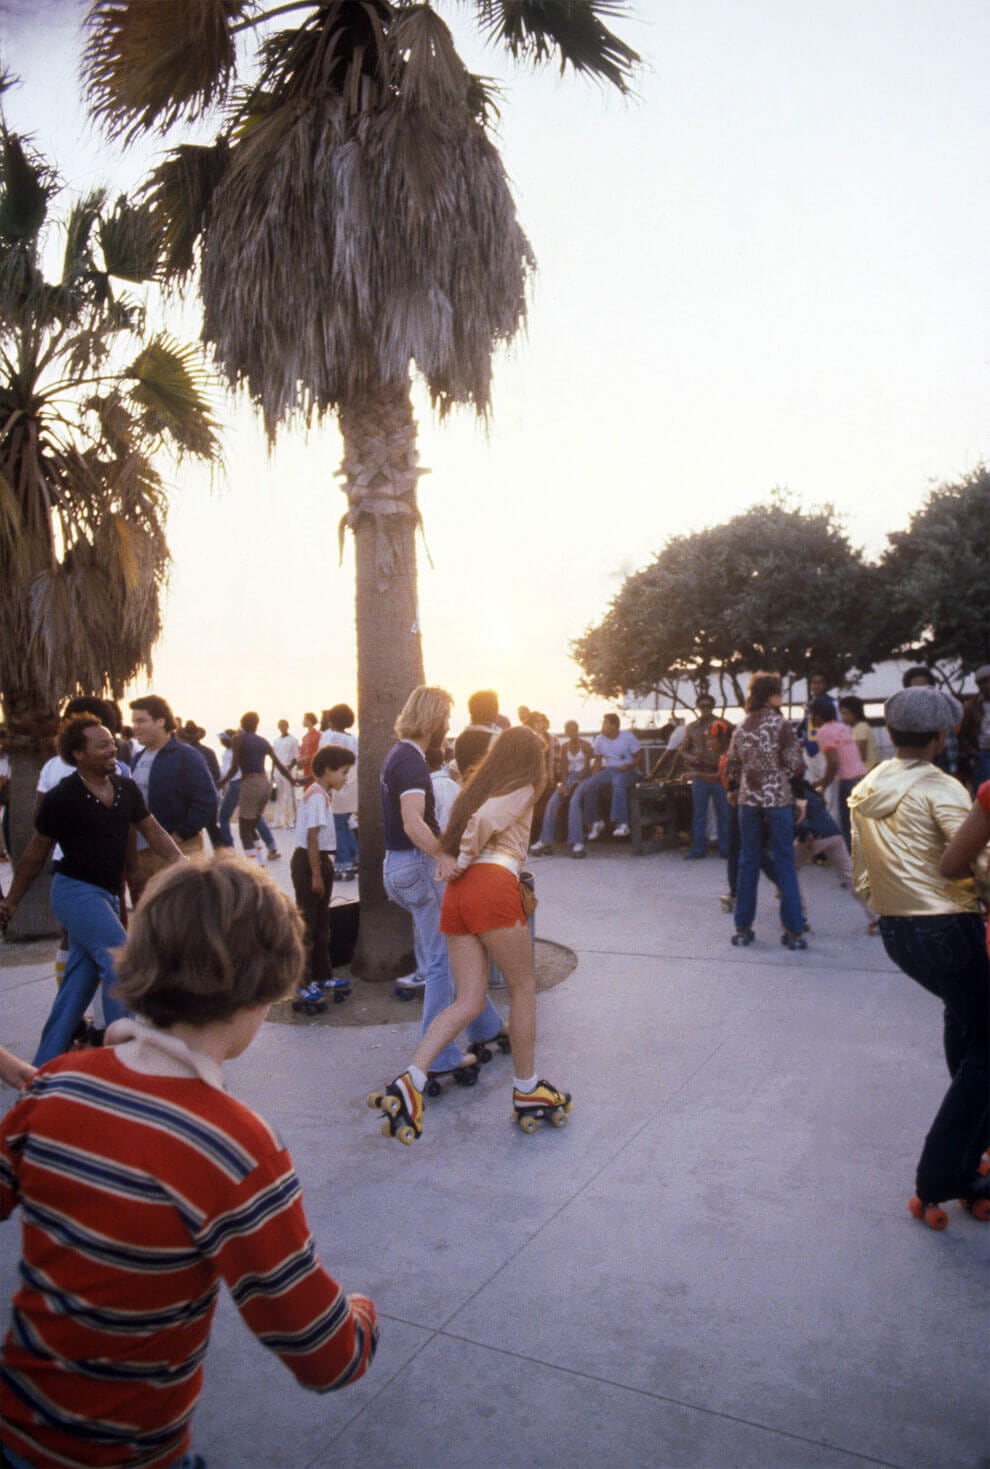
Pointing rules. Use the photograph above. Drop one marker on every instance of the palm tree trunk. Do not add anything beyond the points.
(31, 727)
(380, 477)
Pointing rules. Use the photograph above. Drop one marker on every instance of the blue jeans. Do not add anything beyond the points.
(228, 805)
(550, 815)
(779, 823)
(347, 849)
(703, 791)
(409, 881)
(91, 917)
(946, 954)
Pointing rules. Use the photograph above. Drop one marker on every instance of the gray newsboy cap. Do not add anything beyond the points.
(918, 711)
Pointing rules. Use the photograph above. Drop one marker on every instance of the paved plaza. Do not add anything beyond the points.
(713, 1265)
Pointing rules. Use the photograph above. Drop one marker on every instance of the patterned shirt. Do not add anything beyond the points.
(139, 1193)
(763, 759)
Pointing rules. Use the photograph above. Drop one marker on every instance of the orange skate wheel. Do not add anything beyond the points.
(374, 1099)
(406, 1134)
(979, 1208)
(984, 1167)
(527, 1121)
(559, 1117)
(929, 1214)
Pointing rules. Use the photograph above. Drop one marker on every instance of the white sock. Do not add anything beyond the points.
(417, 1077)
(525, 1086)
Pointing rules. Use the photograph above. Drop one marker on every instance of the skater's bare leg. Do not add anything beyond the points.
(469, 967)
(512, 950)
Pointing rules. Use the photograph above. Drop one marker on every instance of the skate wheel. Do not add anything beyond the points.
(391, 1105)
(505, 1046)
(340, 996)
(404, 995)
(984, 1167)
(929, 1214)
(374, 1099)
(979, 1208)
(387, 1129)
(433, 1088)
(528, 1122)
(558, 1117)
(406, 1134)
(483, 1054)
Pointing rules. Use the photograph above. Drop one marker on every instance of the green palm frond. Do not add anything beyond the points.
(169, 384)
(180, 192)
(77, 257)
(537, 30)
(148, 63)
(340, 49)
(26, 186)
(130, 239)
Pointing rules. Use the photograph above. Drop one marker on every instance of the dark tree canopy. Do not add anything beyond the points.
(773, 588)
(936, 577)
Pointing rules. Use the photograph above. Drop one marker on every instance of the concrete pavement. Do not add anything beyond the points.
(712, 1265)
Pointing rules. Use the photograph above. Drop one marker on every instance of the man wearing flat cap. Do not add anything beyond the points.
(904, 812)
(974, 732)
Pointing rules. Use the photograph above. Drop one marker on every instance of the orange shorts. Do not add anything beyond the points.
(486, 897)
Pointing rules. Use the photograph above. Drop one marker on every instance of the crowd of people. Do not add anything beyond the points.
(144, 1120)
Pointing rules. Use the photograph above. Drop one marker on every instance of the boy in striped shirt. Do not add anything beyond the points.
(143, 1184)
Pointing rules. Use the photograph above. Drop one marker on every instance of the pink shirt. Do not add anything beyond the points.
(839, 737)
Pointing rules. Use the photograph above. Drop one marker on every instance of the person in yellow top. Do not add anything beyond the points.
(904, 813)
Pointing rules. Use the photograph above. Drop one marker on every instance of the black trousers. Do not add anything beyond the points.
(946, 954)
(314, 911)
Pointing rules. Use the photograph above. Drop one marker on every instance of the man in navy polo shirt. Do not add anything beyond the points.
(174, 779)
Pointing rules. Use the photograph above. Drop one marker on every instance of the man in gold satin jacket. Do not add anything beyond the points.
(903, 814)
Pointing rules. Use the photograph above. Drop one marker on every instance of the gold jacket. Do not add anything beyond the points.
(903, 815)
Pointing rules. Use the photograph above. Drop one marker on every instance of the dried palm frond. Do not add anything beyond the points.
(536, 30)
(148, 63)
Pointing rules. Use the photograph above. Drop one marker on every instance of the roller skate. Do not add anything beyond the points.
(485, 1050)
(742, 938)
(337, 990)
(976, 1199)
(793, 941)
(401, 1106)
(408, 986)
(309, 1000)
(465, 1073)
(541, 849)
(530, 1108)
(727, 902)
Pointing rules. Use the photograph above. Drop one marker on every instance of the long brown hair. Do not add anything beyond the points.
(515, 758)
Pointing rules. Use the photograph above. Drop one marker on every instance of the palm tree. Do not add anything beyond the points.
(351, 223)
(86, 397)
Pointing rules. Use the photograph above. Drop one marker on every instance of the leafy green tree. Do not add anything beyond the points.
(773, 588)
(86, 399)
(352, 223)
(936, 579)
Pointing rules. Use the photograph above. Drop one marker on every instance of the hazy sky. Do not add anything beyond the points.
(768, 268)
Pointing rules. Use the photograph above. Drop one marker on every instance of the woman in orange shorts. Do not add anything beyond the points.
(483, 848)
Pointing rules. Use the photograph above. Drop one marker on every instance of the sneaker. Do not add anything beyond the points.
(621, 830)
(273, 854)
(597, 827)
(541, 849)
(578, 850)
(409, 984)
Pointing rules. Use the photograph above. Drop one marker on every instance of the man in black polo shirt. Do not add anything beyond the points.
(90, 815)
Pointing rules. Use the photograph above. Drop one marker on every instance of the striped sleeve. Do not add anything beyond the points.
(261, 1244)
